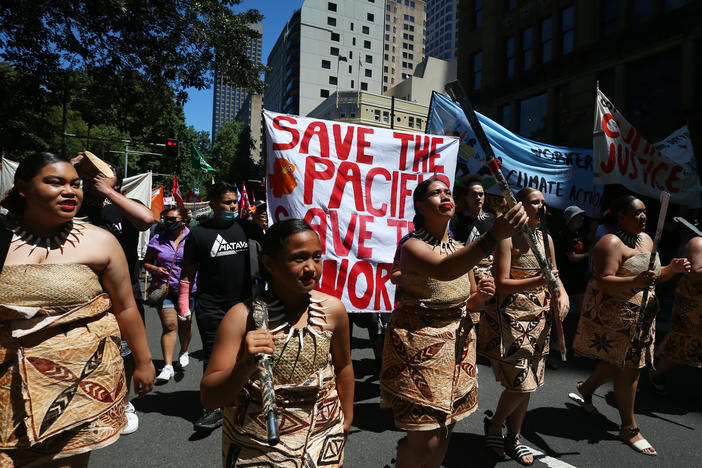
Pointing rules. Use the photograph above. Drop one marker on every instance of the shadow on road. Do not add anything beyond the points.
(371, 417)
(467, 450)
(183, 404)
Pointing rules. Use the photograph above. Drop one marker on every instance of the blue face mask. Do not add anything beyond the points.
(228, 215)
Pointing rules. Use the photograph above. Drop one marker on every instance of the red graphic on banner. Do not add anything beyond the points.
(282, 180)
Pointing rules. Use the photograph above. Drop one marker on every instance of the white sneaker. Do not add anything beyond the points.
(165, 375)
(184, 359)
(132, 419)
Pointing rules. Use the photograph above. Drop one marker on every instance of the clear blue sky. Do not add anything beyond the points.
(198, 109)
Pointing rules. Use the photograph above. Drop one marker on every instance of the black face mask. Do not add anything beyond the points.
(172, 225)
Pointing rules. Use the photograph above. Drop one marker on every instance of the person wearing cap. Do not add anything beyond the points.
(261, 215)
(573, 251)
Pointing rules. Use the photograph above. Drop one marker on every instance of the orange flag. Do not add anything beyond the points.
(157, 201)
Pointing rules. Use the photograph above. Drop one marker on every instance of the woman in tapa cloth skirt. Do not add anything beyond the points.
(683, 343)
(63, 306)
(611, 311)
(515, 334)
(308, 336)
(428, 375)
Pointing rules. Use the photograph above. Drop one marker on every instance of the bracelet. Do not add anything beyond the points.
(487, 243)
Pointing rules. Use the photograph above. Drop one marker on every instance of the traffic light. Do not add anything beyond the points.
(172, 148)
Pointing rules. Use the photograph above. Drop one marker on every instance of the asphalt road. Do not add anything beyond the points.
(556, 428)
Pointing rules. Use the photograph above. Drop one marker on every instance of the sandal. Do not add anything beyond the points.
(495, 443)
(584, 402)
(517, 451)
(640, 445)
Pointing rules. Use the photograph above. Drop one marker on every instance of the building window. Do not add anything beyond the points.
(527, 51)
(611, 12)
(385, 80)
(419, 123)
(368, 72)
(333, 51)
(366, 29)
(333, 80)
(546, 40)
(350, 54)
(533, 112)
(342, 111)
(568, 30)
(326, 64)
(364, 86)
(335, 37)
(331, 21)
(477, 13)
(386, 116)
(350, 69)
(369, 59)
(324, 93)
(504, 115)
(377, 115)
(353, 41)
(477, 70)
(370, 17)
(366, 44)
(351, 26)
(509, 55)
(331, 6)
(410, 121)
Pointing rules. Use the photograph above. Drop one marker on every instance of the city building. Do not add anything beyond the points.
(431, 74)
(363, 108)
(325, 46)
(442, 27)
(227, 101)
(251, 115)
(534, 65)
(403, 39)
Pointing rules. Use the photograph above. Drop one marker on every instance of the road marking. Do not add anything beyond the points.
(550, 461)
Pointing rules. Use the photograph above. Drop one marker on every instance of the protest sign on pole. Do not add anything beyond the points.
(623, 156)
(354, 185)
(562, 174)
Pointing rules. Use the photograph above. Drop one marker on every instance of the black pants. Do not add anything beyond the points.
(209, 314)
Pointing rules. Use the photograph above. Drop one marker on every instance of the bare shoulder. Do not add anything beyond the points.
(238, 317)
(97, 234)
(609, 242)
(333, 306)
(693, 246)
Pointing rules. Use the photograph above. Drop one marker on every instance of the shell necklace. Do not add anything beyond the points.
(25, 236)
(630, 240)
(444, 247)
(316, 316)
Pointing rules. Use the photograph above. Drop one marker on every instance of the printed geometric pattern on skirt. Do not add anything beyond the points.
(523, 375)
(61, 384)
(608, 322)
(310, 425)
(520, 326)
(684, 340)
(428, 372)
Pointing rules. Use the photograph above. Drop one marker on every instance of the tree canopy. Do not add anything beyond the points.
(176, 43)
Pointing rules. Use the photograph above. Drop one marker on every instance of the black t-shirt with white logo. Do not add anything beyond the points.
(222, 259)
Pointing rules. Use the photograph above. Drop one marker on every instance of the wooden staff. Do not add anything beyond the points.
(260, 316)
(458, 94)
(554, 303)
(646, 317)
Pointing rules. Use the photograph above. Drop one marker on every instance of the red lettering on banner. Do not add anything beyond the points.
(342, 247)
(623, 163)
(281, 213)
(393, 193)
(362, 144)
(405, 138)
(607, 168)
(672, 177)
(605, 121)
(363, 235)
(321, 227)
(634, 170)
(404, 191)
(316, 129)
(366, 269)
(293, 133)
(655, 173)
(347, 171)
(434, 156)
(382, 275)
(333, 282)
(369, 183)
(399, 225)
(343, 147)
(312, 174)
(636, 136)
(420, 154)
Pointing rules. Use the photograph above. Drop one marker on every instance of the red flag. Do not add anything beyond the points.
(176, 192)
(244, 205)
(192, 198)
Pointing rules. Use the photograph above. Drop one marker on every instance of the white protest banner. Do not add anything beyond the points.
(678, 147)
(354, 185)
(623, 156)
